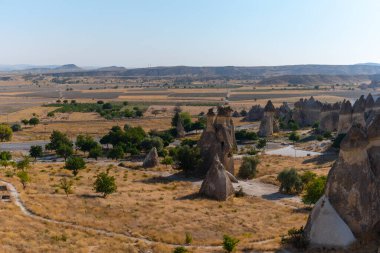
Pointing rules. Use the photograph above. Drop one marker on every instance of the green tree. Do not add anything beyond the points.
(64, 151)
(105, 184)
(229, 243)
(290, 181)
(57, 139)
(314, 190)
(75, 163)
(95, 152)
(185, 119)
(188, 158)
(34, 121)
(35, 151)
(24, 177)
(66, 185)
(150, 142)
(5, 132)
(248, 167)
(116, 153)
(85, 143)
(25, 122)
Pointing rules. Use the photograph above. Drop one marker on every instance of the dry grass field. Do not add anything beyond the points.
(163, 210)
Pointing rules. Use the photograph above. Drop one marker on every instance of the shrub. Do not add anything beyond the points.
(150, 142)
(105, 184)
(5, 133)
(25, 122)
(95, 152)
(327, 135)
(294, 136)
(50, 114)
(16, 127)
(180, 249)
(314, 190)
(229, 243)
(34, 121)
(261, 143)
(23, 164)
(248, 167)
(75, 163)
(319, 138)
(245, 135)
(66, 185)
(35, 151)
(297, 238)
(5, 156)
(307, 177)
(168, 160)
(24, 178)
(188, 158)
(290, 181)
(116, 153)
(188, 238)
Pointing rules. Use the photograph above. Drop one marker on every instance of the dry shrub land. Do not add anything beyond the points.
(158, 208)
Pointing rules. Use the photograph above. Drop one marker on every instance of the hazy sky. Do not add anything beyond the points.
(145, 33)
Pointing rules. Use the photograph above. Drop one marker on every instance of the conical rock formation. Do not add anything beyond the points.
(217, 184)
(151, 160)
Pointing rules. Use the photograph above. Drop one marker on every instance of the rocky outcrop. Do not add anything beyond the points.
(151, 160)
(307, 111)
(217, 183)
(358, 111)
(218, 139)
(268, 124)
(352, 189)
(345, 117)
(329, 117)
(256, 113)
(180, 129)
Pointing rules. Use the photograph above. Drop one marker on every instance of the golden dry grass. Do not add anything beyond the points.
(160, 210)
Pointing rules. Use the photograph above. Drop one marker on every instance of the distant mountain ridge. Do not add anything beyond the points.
(214, 72)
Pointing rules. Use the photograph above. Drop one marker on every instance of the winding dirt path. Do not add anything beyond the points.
(18, 202)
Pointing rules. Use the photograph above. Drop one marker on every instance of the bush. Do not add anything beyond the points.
(5, 156)
(319, 138)
(229, 243)
(5, 133)
(116, 153)
(293, 136)
(314, 190)
(34, 121)
(105, 184)
(16, 127)
(307, 177)
(95, 152)
(297, 238)
(245, 135)
(35, 151)
(75, 163)
(50, 114)
(189, 159)
(24, 178)
(261, 143)
(248, 167)
(180, 249)
(188, 238)
(66, 185)
(290, 181)
(168, 160)
(327, 135)
(150, 142)
(23, 164)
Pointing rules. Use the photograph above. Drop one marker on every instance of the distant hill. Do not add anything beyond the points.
(58, 69)
(314, 79)
(233, 72)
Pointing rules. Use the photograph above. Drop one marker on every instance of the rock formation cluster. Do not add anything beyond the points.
(350, 206)
(329, 117)
(218, 139)
(307, 111)
(268, 124)
(362, 112)
(256, 113)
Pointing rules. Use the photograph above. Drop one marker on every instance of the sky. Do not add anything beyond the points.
(144, 33)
